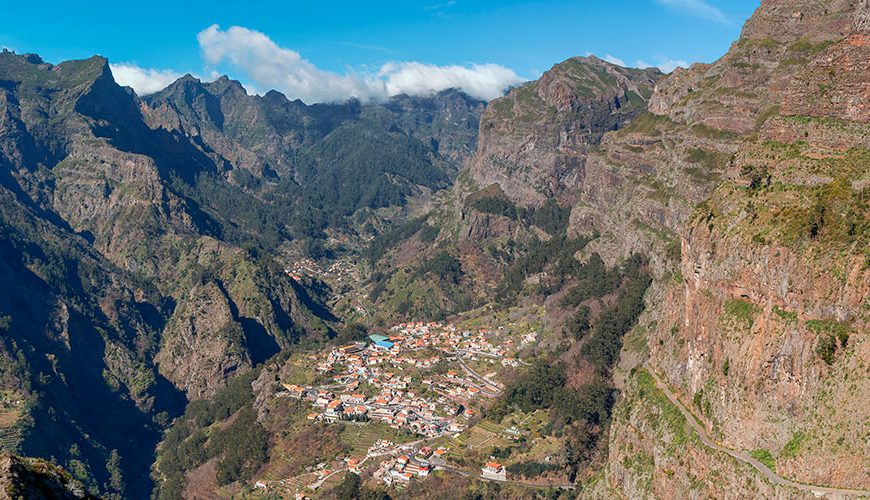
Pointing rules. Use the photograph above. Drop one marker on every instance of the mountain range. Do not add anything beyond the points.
(707, 230)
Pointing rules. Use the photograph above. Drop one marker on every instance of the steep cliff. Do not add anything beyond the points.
(746, 184)
(763, 331)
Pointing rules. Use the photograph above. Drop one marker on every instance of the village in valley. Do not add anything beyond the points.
(426, 382)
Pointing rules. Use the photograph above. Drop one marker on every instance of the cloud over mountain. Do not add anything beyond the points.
(143, 80)
(268, 65)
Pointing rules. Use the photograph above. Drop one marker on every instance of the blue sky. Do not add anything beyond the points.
(322, 50)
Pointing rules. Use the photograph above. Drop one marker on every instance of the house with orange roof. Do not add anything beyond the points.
(493, 470)
(295, 391)
(333, 410)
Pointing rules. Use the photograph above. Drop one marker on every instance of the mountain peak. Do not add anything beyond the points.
(225, 84)
(31, 70)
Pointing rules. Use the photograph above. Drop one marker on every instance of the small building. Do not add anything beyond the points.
(385, 345)
(493, 470)
(333, 410)
(352, 348)
(295, 391)
(377, 338)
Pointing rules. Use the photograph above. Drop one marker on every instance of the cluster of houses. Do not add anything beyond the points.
(402, 469)
(448, 338)
(339, 272)
(427, 404)
(400, 409)
(390, 378)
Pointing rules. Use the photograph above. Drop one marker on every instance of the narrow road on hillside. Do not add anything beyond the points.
(745, 457)
(492, 386)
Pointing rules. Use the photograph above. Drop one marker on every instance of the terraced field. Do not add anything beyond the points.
(361, 437)
(10, 430)
(10, 437)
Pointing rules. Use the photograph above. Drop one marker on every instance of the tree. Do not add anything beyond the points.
(348, 488)
(116, 479)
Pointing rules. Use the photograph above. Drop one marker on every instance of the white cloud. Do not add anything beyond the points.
(143, 80)
(484, 81)
(439, 6)
(615, 60)
(665, 64)
(269, 65)
(698, 8)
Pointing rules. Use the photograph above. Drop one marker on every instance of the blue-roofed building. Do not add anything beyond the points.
(377, 338)
(384, 344)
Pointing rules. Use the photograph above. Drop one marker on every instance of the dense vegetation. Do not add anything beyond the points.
(550, 217)
(531, 469)
(392, 237)
(351, 488)
(241, 447)
(441, 266)
(556, 256)
(580, 411)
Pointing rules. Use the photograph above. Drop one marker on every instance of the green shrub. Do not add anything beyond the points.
(788, 316)
(741, 309)
(531, 469)
(764, 457)
(833, 336)
(793, 446)
(243, 447)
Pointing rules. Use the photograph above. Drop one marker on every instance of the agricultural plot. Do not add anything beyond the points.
(361, 437)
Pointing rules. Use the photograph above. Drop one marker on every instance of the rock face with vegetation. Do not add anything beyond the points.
(534, 141)
(763, 331)
(37, 479)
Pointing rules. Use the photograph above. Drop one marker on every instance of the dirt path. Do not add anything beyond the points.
(745, 457)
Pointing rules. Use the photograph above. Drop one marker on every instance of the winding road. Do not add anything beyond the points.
(745, 457)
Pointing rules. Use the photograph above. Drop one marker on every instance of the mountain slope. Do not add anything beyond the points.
(139, 261)
(535, 140)
(326, 160)
(29, 478)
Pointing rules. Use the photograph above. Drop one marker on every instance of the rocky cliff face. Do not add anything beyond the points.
(764, 333)
(534, 142)
(746, 183)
